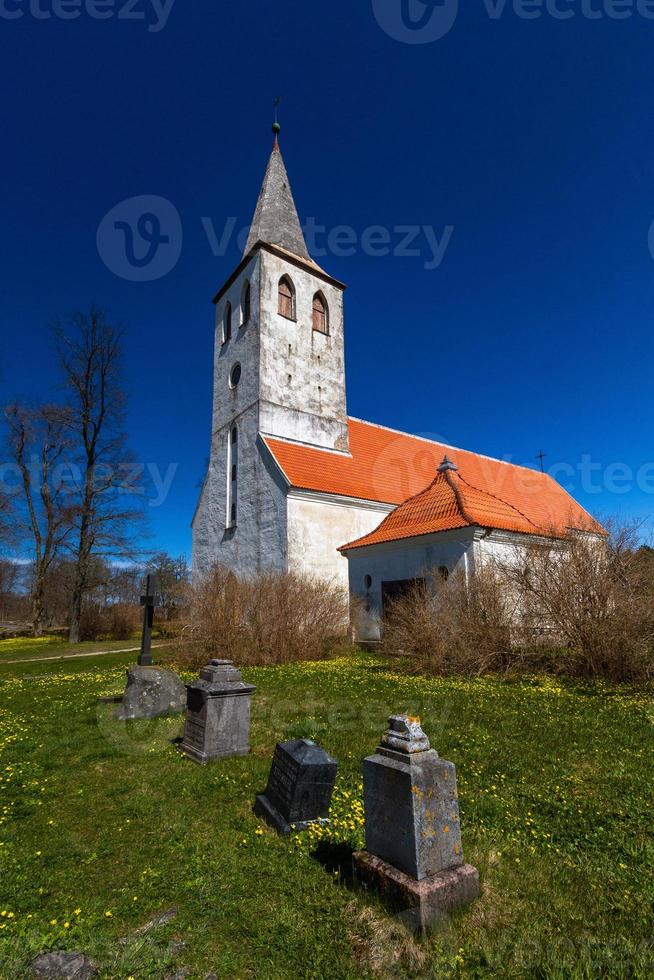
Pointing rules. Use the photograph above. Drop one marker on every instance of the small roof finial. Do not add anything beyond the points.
(447, 466)
(276, 128)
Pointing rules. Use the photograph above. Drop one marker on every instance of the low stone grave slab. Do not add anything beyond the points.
(300, 786)
(60, 965)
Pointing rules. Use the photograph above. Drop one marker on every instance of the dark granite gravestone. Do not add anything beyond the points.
(300, 786)
(217, 714)
(413, 855)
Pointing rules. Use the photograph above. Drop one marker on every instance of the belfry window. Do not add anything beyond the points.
(232, 478)
(227, 323)
(320, 314)
(245, 304)
(286, 298)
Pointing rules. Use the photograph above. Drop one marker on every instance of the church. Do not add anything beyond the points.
(295, 484)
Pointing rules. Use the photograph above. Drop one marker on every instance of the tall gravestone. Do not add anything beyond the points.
(300, 786)
(217, 714)
(413, 855)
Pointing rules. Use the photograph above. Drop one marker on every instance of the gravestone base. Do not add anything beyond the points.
(263, 808)
(423, 904)
(197, 755)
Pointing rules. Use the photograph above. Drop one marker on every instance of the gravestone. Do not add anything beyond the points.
(413, 855)
(300, 786)
(150, 693)
(217, 714)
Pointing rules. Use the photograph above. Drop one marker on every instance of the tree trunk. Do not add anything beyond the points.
(76, 607)
(38, 604)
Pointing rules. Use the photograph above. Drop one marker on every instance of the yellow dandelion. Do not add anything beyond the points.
(108, 915)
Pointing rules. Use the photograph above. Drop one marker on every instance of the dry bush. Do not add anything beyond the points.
(453, 626)
(93, 622)
(124, 621)
(272, 618)
(583, 607)
(594, 599)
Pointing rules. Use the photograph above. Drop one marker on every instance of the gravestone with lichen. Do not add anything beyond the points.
(413, 856)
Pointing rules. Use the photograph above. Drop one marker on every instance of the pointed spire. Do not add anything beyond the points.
(447, 466)
(276, 219)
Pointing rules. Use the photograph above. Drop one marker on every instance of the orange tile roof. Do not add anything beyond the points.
(448, 502)
(390, 467)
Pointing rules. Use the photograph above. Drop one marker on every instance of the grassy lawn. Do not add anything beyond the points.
(104, 825)
(28, 648)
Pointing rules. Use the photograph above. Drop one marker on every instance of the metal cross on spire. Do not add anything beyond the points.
(541, 456)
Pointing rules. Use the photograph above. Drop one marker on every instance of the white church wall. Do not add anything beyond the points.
(319, 524)
(302, 371)
(242, 348)
(399, 561)
(258, 540)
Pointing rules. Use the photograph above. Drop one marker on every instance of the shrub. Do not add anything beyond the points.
(92, 623)
(123, 621)
(271, 618)
(583, 607)
(453, 626)
(596, 597)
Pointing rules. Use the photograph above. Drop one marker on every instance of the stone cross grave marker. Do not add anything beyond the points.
(413, 855)
(300, 786)
(148, 601)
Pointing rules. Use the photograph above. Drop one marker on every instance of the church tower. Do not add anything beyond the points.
(280, 319)
(278, 371)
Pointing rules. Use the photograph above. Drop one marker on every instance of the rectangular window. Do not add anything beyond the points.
(232, 478)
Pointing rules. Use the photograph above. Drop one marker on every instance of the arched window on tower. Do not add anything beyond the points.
(227, 323)
(320, 314)
(232, 478)
(245, 304)
(286, 298)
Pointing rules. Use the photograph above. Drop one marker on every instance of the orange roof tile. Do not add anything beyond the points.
(391, 467)
(448, 502)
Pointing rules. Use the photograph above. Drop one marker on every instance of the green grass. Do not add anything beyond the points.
(28, 648)
(104, 825)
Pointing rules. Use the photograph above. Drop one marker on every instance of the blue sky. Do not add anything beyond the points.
(527, 143)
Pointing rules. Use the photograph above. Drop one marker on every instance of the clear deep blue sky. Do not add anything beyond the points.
(534, 139)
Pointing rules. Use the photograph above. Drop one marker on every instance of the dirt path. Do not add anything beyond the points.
(78, 656)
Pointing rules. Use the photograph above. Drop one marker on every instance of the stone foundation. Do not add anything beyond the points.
(422, 904)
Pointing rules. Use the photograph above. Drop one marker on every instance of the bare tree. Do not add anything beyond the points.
(38, 444)
(108, 509)
(173, 577)
(8, 584)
